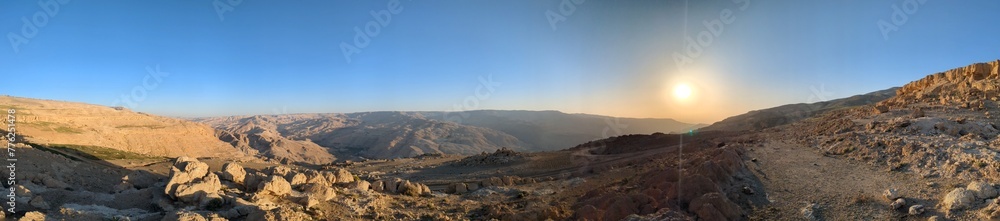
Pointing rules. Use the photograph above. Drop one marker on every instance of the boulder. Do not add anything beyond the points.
(458, 188)
(33, 216)
(319, 192)
(252, 180)
(378, 186)
(185, 170)
(982, 190)
(959, 198)
(274, 185)
(361, 185)
(343, 176)
(280, 171)
(234, 172)
(392, 185)
(330, 177)
(193, 192)
(296, 179)
(916, 210)
(50, 182)
(315, 177)
(891, 194)
(409, 188)
(899, 203)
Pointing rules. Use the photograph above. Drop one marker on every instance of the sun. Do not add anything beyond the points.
(682, 91)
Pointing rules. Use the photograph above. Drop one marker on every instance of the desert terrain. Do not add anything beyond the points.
(927, 150)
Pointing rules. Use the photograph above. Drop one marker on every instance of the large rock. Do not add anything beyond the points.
(296, 179)
(33, 216)
(392, 185)
(378, 186)
(458, 188)
(409, 188)
(196, 191)
(957, 199)
(361, 185)
(319, 192)
(190, 181)
(185, 170)
(315, 177)
(982, 190)
(343, 176)
(281, 171)
(252, 180)
(234, 172)
(274, 185)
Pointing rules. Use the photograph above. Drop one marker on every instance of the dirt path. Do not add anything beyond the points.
(795, 175)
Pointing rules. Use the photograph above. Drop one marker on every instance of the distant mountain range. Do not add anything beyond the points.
(303, 137)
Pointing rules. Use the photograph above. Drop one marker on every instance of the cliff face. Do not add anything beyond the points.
(976, 82)
(56, 122)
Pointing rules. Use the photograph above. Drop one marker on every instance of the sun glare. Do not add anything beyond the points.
(682, 92)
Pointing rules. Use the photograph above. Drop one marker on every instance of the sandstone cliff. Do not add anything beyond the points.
(964, 86)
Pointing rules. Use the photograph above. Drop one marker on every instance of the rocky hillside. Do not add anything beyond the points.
(260, 134)
(775, 116)
(965, 86)
(939, 131)
(371, 135)
(554, 130)
(56, 122)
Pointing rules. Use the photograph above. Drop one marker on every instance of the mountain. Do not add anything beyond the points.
(554, 130)
(380, 135)
(775, 116)
(68, 123)
(317, 138)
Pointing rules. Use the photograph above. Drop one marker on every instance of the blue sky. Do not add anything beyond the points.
(607, 57)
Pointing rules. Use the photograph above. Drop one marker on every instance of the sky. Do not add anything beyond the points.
(615, 58)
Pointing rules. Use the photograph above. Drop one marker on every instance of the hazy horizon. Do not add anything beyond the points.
(623, 59)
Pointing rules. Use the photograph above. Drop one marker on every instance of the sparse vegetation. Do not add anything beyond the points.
(91, 152)
(140, 126)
